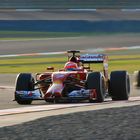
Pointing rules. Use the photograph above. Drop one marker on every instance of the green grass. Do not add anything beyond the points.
(16, 35)
(39, 63)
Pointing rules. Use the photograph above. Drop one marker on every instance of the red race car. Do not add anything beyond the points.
(74, 83)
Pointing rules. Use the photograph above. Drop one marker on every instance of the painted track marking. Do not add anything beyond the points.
(38, 108)
(62, 52)
(53, 110)
(61, 106)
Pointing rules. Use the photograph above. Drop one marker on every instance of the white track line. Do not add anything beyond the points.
(28, 109)
(29, 10)
(82, 10)
(112, 49)
(130, 10)
(32, 54)
(40, 39)
(33, 113)
(7, 87)
(62, 52)
(39, 108)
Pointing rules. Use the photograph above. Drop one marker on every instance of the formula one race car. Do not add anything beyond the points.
(74, 84)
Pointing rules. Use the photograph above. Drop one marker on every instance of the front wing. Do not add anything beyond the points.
(76, 95)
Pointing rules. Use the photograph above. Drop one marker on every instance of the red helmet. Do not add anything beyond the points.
(70, 66)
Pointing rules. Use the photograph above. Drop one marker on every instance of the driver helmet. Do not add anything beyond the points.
(70, 66)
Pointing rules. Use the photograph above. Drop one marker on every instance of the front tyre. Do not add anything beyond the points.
(95, 81)
(24, 82)
(119, 85)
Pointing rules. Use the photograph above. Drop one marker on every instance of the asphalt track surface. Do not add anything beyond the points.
(69, 43)
(107, 124)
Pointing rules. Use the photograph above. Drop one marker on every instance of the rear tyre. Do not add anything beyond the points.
(137, 78)
(95, 80)
(24, 82)
(119, 85)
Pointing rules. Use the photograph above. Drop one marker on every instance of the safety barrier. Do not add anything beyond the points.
(70, 26)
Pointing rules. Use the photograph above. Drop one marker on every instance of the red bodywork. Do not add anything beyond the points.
(59, 81)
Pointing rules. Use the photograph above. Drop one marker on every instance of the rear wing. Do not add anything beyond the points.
(93, 58)
(96, 58)
(73, 53)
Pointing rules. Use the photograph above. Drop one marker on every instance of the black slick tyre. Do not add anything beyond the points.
(137, 78)
(119, 85)
(95, 81)
(24, 82)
